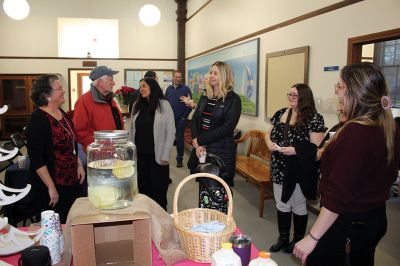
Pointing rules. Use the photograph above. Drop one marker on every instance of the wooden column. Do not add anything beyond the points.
(181, 13)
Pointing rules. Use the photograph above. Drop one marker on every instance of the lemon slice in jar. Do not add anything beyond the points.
(123, 169)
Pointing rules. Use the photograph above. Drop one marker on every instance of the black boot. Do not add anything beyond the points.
(284, 222)
(300, 227)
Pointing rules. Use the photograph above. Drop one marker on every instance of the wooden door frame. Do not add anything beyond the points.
(69, 83)
(354, 45)
(80, 83)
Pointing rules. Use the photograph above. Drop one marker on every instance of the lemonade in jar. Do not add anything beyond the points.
(112, 173)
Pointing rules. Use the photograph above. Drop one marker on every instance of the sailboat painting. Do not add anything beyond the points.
(244, 61)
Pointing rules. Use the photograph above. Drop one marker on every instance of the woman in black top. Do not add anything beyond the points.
(55, 168)
(296, 133)
(215, 119)
(152, 130)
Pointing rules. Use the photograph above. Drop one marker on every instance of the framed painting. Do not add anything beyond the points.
(244, 61)
(133, 76)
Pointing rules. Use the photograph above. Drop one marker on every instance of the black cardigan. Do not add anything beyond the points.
(219, 138)
(303, 169)
(40, 146)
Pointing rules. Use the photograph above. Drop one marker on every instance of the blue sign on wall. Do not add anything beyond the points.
(331, 68)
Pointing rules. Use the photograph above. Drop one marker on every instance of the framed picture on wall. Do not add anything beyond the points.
(283, 70)
(244, 61)
(133, 76)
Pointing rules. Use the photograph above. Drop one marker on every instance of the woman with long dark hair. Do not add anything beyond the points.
(358, 166)
(152, 130)
(293, 138)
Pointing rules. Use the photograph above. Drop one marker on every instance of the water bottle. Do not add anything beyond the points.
(225, 256)
(264, 259)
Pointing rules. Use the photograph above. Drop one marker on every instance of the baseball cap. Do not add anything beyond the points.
(100, 71)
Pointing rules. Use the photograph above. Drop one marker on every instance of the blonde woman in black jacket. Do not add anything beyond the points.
(215, 119)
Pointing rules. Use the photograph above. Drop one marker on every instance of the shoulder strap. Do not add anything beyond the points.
(286, 127)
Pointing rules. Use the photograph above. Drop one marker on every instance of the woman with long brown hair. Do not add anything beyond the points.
(358, 167)
(296, 133)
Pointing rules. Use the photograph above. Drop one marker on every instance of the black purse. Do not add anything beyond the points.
(35, 256)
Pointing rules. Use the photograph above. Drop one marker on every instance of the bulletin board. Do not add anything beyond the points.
(133, 76)
(283, 70)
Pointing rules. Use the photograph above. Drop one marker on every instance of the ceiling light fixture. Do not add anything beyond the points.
(16, 9)
(149, 15)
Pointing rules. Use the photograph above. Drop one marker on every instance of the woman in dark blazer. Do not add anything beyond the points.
(56, 171)
(215, 119)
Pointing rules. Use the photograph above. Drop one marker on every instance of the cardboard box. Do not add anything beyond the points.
(116, 239)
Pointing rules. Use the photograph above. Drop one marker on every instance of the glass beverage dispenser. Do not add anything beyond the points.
(112, 173)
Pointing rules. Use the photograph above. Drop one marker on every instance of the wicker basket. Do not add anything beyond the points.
(200, 246)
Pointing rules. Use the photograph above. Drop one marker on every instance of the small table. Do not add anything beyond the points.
(156, 260)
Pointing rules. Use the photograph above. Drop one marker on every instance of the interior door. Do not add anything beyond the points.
(79, 83)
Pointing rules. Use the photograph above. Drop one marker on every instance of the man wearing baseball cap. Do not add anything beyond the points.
(96, 110)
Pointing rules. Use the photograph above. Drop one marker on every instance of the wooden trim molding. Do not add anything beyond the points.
(354, 45)
(85, 58)
(198, 10)
(286, 23)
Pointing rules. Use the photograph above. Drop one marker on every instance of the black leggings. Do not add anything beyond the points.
(365, 231)
(153, 179)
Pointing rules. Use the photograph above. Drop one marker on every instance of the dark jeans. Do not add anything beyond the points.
(153, 179)
(179, 136)
(365, 230)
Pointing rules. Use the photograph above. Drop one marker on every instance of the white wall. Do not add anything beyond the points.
(37, 36)
(194, 5)
(225, 20)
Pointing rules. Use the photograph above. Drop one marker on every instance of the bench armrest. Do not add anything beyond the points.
(242, 139)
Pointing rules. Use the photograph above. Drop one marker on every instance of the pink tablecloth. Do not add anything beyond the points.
(157, 260)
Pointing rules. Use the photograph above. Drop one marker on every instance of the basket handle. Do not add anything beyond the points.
(220, 180)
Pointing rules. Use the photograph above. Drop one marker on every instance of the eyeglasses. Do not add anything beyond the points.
(339, 86)
(292, 95)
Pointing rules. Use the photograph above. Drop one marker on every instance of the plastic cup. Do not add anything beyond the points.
(21, 161)
(202, 158)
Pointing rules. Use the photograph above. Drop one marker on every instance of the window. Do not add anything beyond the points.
(387, 56)
(81, 37)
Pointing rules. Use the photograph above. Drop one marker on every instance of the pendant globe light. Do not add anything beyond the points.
(149, 15)
(16, 9)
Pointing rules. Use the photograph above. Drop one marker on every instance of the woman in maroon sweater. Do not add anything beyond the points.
(358, 167)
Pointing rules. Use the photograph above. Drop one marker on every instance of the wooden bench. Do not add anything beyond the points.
(254, 165)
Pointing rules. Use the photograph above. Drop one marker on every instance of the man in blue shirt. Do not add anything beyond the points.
(181, 112)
